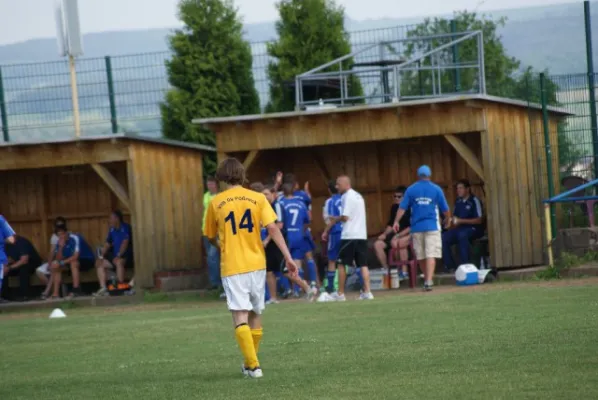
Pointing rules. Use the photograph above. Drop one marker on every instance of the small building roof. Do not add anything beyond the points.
(408, 103)
(128, 136)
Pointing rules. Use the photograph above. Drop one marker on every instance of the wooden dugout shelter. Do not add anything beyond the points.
(495, 143)
(157, 184)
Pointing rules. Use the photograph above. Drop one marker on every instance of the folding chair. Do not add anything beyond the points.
(393, 261)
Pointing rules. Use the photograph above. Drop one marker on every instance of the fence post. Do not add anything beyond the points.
(113, 120)
(456, 58)
(547, 149)
(591, 87)
(3, 116)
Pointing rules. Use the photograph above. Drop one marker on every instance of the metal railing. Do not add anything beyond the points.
(116, 93)
(390, 71)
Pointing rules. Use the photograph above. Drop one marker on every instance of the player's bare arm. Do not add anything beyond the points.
(331, 222)
(400, 214)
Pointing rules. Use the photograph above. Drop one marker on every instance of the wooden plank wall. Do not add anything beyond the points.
(356, 126)
(32, 199)
(167, 197)
(514, 185)
(376, 170)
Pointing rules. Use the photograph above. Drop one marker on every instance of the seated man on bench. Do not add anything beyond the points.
(43, 271)
(23, 258)
(116, 253)
(467, 226)
(72, 252)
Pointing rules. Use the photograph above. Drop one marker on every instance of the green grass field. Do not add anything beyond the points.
(521, 341)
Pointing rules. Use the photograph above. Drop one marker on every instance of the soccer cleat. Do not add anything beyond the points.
(244, 370)
(255, 373)
(272, 302)
(403, 276)
(222, 296)
(338, 297)
(428, 286)
(101, 293)
(324, 298)
(366, 296)
(312, 293)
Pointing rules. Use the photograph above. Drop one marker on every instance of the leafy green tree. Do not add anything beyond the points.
(310, 33)
(503, 73)
(210, 71)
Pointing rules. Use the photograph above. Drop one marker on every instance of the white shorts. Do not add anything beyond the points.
(246, 292)
(44, 269)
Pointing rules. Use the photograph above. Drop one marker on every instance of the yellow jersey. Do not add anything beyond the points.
(236, 217)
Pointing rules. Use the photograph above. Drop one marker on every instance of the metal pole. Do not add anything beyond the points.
(397, 84)
(111, 99)
(549, 235)
(432, 59)
(75, 96)
(591, 84)
(342, 87)
(420, 78)
(297, 97)
(3, 115)
(548, 151)
(456, 58)
(481, 66)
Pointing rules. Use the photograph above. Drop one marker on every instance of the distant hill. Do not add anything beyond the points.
(38, 95)
(544, 37)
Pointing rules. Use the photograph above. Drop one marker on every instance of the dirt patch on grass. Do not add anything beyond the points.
(492, 286)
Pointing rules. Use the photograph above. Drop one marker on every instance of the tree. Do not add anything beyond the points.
(499, 67)
(310, 33)
(504, 77)
(210, 72)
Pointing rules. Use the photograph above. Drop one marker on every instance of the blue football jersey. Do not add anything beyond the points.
(295, 216)
(333, 208)
(5, 232)
(304, 197)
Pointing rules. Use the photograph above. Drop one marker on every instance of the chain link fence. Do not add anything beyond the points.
(116, 94)
(568, 158)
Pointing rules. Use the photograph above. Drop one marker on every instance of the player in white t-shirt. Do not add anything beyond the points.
(354, 238)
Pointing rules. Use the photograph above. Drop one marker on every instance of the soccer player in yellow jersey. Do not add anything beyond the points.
(233, 223)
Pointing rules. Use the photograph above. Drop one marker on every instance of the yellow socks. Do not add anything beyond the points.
(257, 338)
(245, 340)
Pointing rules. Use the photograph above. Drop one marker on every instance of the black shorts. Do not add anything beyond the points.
(353, 250)
(128, 260)
(388, 239)
(274, 258)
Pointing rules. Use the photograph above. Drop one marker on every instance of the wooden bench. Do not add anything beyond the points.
(86, 277)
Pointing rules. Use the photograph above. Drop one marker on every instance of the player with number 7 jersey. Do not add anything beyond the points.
(233, 222)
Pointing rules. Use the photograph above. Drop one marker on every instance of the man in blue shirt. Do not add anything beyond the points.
(116, 253)
(72, 252)
(7, 235)
(468, 225)
(425, 200)
(332, 209)
(296, 220)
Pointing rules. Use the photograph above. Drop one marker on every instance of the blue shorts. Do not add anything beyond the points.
(334, 246)
(297, 250)
(308, 242)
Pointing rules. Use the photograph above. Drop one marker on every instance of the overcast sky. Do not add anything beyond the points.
(29, 19)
